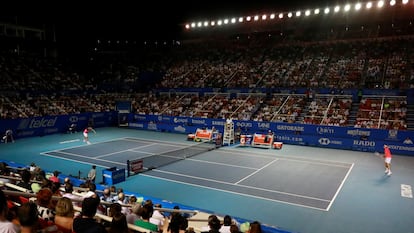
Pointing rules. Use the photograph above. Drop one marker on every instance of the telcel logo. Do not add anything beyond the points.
(33, 124)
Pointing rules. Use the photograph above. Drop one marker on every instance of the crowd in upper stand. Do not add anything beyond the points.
(38, 86)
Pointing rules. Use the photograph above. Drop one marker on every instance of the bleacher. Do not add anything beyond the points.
(272, 76)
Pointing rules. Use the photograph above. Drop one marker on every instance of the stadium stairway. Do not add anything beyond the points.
(410, 117)
(353, 114)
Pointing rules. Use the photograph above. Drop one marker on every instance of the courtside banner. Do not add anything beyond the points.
(40, 126)
(349, 138)
(279, 128)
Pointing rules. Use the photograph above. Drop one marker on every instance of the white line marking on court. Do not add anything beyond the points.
(223, 164)
(245, 186)
(69, 141)
(258, 170)
(298, 159)
(153, 140)
(340, 187)
(87, 157)
(72, 160)
(227, 191)
(72, 147)
(130, 149)
(280, 156)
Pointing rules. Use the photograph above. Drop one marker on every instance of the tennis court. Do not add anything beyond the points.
(299, 188)
(242, 172)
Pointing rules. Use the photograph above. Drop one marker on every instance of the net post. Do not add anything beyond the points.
(128, 169)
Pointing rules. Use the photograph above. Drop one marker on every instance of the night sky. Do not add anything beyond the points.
(150, 19)
(76, 22)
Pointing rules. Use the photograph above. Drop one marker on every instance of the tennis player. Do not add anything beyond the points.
(90, 128)
(86, 136)
(387, 160)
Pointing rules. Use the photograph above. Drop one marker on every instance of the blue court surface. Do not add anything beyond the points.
(298, 188)
(257, 175)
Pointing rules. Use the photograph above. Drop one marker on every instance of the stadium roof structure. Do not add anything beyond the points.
(174, 19)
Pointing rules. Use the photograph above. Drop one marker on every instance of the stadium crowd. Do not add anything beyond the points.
(32, 200)
(35, 86)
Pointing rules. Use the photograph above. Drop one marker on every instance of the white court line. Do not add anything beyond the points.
(232, 192)
(296, 159)
(72, 160)
(258, 170)
(155, 141)
(251, 153)
(245, 186)
(83, 145)
(69, 141)
(328, 163)
(225, 164)
(130, 149)
(82, 156)
(340, 187)
(98, 158)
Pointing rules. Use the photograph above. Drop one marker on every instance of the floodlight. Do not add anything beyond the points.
(226, 21)
(298, 13)
(248, 18)
(241, 19)
(233, 20)
(358, 6)
(272, 16)
(392, 2)
(193, 25)
(369, 5)
(280, 15)
(290, 14)
(326, 10)
(316, 11)
(264, 17)
(404, 2)
(307, 12)
(205, 23)
(380, 4)
(256, 17)
(213, 23)
(347, 7)
(337, 8)
(199, 24)
(219, 22)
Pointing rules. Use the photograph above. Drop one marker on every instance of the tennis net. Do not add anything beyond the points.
(168, 157)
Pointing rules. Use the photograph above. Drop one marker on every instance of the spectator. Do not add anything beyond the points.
(44, 204)
(5, 225)
(158, 217)
(145, 213)
(86, 222)
(5, 171)
(76, 199)
(177, 222)
(255, 227)
(25, 182)
(8, 136)
(227, 221)
(133, 216)
(119, 222)
(92, 174)
(28, 217)
(54, 177)
(234, 228)
(214, 224)
(64, 214)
